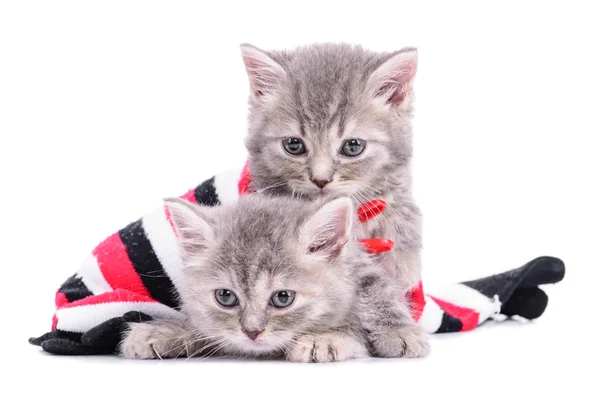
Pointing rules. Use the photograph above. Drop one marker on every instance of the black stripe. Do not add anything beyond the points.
(449, 324)
(529, 303)
(341, 111)
(146, 264)
(74, 289)
(302, 128)
(539, 271)
(300, 115)
(56, 335)
(342, 123)
(206, 193)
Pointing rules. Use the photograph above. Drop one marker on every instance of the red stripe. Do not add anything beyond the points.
(468, 316)
(370, 210)
(116, 266)
(60, 299)
(376, 245)
(189, 196)
(244, 182)
(168, 217)
(417, 301)
(116, 296)
(54, 322)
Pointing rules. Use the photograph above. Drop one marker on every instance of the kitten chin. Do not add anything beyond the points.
(267, 344)
(309, 191)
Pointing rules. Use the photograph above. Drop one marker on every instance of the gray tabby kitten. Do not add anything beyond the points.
(276, 276)
(335, 119)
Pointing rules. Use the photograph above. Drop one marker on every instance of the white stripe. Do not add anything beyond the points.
(467, 297)
(431, 318)
(85, 317)
(162, 238)
(92, 277)
(226, 185)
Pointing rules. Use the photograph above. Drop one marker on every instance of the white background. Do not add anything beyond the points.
(107, 107)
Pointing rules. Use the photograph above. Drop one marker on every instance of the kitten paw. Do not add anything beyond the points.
(327, 347)
(150, 341)
(406, 341)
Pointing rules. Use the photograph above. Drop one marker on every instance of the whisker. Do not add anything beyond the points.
(219, 347)
(195, 353)
(279, 184)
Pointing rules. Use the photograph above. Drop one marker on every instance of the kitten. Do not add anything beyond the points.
(276, 276)
(335, 119)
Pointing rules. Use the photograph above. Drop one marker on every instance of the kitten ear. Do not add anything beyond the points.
(194, 234)
(393, 80)
(263, 72)
(328, 231)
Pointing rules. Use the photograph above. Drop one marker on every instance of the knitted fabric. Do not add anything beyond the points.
(137, 269)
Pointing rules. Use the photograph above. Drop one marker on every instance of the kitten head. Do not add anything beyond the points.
(329, 119)
(263, 270)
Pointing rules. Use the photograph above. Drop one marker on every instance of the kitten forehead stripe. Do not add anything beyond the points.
(342, 107)
(299, 113)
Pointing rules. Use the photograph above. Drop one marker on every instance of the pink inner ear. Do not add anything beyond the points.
(398, 97)
(327, 232)
(400, 82)
(262, 71)
(253, 67)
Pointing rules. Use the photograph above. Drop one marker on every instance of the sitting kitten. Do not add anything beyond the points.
(271, 276)
(335, 119)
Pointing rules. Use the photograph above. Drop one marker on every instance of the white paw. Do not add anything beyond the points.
(327, 347)
(406, 341)
(148, 341)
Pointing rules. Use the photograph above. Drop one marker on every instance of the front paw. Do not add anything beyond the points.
(406, 341)
(150, 341)
(326, 347)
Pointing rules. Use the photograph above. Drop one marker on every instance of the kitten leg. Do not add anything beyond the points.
(391, 330)
(399, 341)
(403, 226)
(158, 339)
(326, 347)
(407, 264)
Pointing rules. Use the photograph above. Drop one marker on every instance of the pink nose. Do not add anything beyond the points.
(320, 183)
(252, 334)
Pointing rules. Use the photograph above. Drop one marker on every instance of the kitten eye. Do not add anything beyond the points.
(283, 298)
(226, 298)
(353, 147)
(294, 146)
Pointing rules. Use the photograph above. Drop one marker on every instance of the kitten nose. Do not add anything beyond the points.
(252, 334)
(320, 183)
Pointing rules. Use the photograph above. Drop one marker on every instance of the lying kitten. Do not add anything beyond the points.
(336, 119)
(278, 277)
